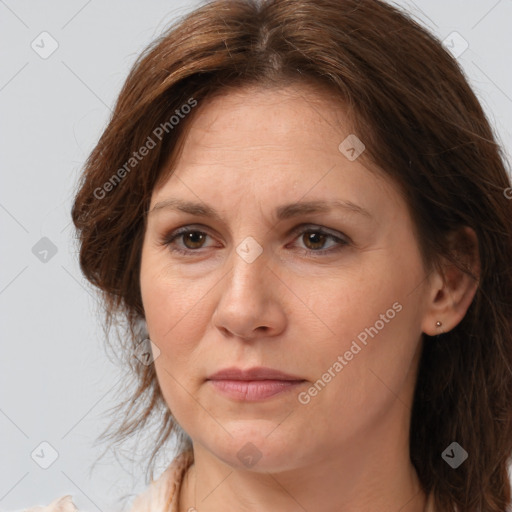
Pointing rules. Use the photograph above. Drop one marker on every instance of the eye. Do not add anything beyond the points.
(313, 237)
(192, 239)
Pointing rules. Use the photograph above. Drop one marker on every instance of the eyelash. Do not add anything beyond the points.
(169, 239)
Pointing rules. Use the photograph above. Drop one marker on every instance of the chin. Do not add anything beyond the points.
(253, 449)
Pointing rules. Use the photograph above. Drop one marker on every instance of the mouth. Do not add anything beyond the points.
(255, 373)
(254, 390)
(254, 384)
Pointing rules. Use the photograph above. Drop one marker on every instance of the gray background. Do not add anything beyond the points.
(56, 380)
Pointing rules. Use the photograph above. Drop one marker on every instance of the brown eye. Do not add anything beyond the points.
(185, 240)
(314, 240)
(193, 239)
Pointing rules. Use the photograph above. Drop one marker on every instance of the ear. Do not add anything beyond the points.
(452, 290)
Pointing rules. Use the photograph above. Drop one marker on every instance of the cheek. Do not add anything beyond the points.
(172, 315)
(167, 308)
(363, 372)
(178, 312)
(171, 303)
(373, 323)
(346, 302)
(175, 318)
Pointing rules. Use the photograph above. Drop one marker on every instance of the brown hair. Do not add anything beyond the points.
(422, 125)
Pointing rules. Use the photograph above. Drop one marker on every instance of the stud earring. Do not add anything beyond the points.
(438, 323)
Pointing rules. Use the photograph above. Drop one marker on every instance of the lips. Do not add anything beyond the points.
(254, 384)
(252, 374)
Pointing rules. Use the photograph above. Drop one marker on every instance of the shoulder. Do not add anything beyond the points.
(161, 494)
(62, 504)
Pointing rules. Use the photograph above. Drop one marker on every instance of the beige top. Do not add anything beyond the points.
(161, 495)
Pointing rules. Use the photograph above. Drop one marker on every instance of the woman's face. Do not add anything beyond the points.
(334, 295)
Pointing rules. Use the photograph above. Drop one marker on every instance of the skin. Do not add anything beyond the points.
(248, 152)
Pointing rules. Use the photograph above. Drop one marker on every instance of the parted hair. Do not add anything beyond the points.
(423, 126)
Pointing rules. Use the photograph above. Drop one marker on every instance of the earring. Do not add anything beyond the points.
(438, 323)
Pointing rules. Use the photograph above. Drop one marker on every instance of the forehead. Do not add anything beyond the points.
(264, 142)
(270, 117)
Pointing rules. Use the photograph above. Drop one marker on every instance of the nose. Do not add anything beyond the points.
(251, 303)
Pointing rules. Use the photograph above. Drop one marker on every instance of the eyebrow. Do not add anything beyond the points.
(283, 212)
